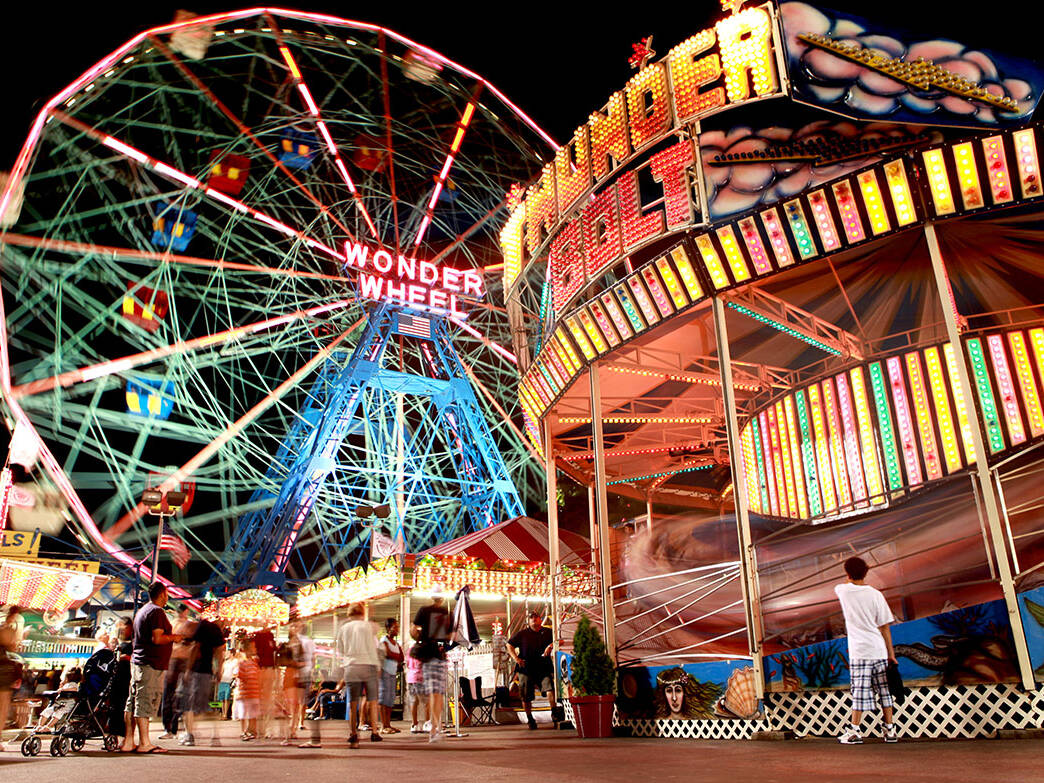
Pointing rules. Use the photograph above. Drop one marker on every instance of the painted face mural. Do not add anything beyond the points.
(680, 696)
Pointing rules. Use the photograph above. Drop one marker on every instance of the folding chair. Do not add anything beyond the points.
(474, 705)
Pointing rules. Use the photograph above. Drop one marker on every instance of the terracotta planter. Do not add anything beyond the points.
(594, 715)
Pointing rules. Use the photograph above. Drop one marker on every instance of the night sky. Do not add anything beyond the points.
(557, 61)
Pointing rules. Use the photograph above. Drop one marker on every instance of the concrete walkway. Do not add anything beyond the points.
(514, 754)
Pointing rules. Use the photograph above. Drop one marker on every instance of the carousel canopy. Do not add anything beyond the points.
(521, 538)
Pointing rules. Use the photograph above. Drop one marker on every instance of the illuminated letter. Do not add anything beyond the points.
(566, 262)
(648, 105)
(745, 43)
(438, 298)
(636, 227)
(670, 167)
(416, 294)
(450, 278)
(392, 291)
(371, 286)
(602, 243)
(571, 178)
(472, 283)
(608, 136)
(383, 261)
(356, 254)
(408, 267)
(540, 208)
(429, 273)
(688, 74)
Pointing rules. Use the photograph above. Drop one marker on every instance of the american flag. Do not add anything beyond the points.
(414, 325)
(178, 551)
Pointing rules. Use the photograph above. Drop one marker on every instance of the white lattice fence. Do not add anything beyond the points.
(951, 712)
(958, 711)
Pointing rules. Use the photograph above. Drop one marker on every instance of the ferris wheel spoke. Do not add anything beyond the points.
(174, 175)
(132, 254)
(113, 366)
(382, 45)
(234, 429)
(454, 147)
(242, 128)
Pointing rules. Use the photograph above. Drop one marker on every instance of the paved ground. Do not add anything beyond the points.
(509, 754)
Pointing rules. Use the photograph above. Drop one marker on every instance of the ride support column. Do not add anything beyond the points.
(605, 563)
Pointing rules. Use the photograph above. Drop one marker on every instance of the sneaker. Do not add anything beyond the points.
(532, 724)
(427, 726)
(364, 727)
(851, 736)
(165, 735)
(187, 739)
(376, 737)
(890, 734)
(415, 729)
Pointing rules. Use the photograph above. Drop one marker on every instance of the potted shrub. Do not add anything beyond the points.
(593, 682)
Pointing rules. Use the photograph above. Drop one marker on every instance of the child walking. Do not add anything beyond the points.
(246, 707)
(867, 620)
(416, 700)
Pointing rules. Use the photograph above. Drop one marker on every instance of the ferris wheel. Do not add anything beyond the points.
(175, 237)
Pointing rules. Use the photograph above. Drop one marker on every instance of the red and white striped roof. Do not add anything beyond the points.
(521, 539)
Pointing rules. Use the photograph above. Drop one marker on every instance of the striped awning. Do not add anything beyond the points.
(521, 539)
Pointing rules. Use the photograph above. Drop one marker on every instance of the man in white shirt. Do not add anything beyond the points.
(867, 620)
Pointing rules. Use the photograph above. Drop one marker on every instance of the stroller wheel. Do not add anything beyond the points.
(112, 743)
(59, 746)
(31, 745)
(76, 744)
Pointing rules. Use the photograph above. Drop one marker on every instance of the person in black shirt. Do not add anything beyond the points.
(193, 694)
(530, 649)
(431, 629)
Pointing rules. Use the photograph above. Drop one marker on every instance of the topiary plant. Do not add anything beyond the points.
(592, 668)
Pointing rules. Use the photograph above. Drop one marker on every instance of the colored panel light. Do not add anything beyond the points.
(641, 296)
(904, 422)
(851, 439)
(938, 178)
(755, 247)
(685, 270)
(783, 328)
(556, 361)
(574, 359)
(777, 237)
(824, 220)
(823, 468)
(1008, 403)
(923, 413)
(871, 464)
(959, 404)
(1028, 164)
(808, 456)
(591, 328)
(674, 288)
(967, 175)
(733, 254)
(987, 404)
(540, 390)
(846, 205)
(769, 461)
(997, 169)
(899, 190)
(656, 289)
(603, 322)
(799, 227)
(784, 453)
(759, 461)
(1030, 397)
(875, 208)
(566, 347)
(630, 307)
(884, 424)
(529, 400)
(554, 374)
(550, 379)
(837, 446)
(941, 404)
(580, 337)
(617, 315)
(795, 455)
(711, 261)
(750, 469)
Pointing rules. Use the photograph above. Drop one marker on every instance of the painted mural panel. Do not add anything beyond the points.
(1031, 606)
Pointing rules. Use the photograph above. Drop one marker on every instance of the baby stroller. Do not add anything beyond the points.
(87, 715)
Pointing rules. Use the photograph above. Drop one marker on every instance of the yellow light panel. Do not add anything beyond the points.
(875, 208)
(567, 346)
(794, 436)
(959, 404)
(733, 254)
(874, 484)
(1028, 164)
(899, 190)
(822, 452)
(674, 288)
(511, 245)
(923, 413)
(580, 337)
(941, 403)
(688, 275)
(603, 322)
(938, 178)
(750, 470)
(592, 331)
(711, 261)
(967, 175)
(1026, 383)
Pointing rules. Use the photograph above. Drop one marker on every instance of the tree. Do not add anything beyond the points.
(592, 669)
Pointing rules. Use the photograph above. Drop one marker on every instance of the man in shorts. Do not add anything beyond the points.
(193, 694)
(530, 649)
(432, 630)
(153, 640)
(867, 621)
